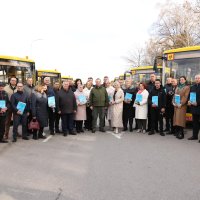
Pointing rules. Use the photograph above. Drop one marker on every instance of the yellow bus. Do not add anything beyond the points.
(183, 62)
(142, 73)
(63, 78)
(21, 68)
(53, 74)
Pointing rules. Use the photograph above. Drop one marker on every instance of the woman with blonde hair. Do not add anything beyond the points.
(117, 107)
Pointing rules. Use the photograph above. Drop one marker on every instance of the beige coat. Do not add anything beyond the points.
(110, 90)
(117, 110)
(9, 90)
(81, 109)
(179, 113)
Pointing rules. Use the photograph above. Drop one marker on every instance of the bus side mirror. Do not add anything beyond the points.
(155, 67)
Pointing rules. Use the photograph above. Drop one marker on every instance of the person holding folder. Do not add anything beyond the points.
(157, 101)
(194, 103)
(180, 100)
(20, 106)
(141, 108)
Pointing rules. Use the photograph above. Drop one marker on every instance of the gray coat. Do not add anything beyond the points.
(39, 105)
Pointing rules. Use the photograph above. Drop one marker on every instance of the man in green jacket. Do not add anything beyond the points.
(98, 103)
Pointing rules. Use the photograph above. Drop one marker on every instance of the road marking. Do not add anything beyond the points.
(47, 139)
(118, 136)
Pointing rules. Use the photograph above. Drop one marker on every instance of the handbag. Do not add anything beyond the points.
(34, 125)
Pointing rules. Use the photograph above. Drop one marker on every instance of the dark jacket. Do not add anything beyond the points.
(169, 95)
(66, 101)
(196, 109)
(132, 91)
(50, 92)
(161, 97)
(39, 108)
(20, 97)
(150, 86)
(99, 97)
(4, 96)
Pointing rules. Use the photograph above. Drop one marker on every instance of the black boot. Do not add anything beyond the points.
(35, 136)
(180, 134)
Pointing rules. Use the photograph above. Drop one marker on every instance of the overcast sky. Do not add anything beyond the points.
(80, 38)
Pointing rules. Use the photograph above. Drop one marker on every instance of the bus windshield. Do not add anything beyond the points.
(15, 68)
(188, 67)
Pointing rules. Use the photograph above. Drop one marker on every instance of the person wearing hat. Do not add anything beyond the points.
(4, 105)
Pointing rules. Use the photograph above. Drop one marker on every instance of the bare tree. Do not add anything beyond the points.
(136, 57)
(178, 26)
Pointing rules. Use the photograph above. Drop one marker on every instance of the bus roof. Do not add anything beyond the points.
(143, 68)
(191, 48)
(16, 58)
(47, 70)
(66, 77)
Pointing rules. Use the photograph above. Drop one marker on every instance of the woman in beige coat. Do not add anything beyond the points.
(81, 100)
(182, 93)
(117, 108)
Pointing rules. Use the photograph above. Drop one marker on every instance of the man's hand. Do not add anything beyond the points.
(59, 112)
(19, 112)
(91, 107)
(3, 110)
(163, 110)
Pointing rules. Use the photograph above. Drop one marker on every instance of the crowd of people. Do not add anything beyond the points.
(79, 106)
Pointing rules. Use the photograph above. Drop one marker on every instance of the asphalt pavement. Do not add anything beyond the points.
(101, 166)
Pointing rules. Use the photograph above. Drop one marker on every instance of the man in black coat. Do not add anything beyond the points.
(66, 105)
(56, 89)
(19, 116)
(150, 87)
(169, 106)
(51, 110)
(3, 109)
(157, 108)
(128, 109)
(195, 107)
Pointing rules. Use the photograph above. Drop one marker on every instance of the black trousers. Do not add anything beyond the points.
(79, 125)
(57, 120)
(88, 122)
(156, 117)
(51, 119)
(67, 122)
(141, 124)
(149, 118)
(2, 126)
(17, 120)
(195, 121)
(128, 116)
(169, 118)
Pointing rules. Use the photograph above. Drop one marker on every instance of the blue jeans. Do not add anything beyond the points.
(17, 119)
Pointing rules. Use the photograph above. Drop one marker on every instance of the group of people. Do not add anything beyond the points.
(79, 106)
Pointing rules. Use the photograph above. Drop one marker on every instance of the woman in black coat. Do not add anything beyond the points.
(39, 103)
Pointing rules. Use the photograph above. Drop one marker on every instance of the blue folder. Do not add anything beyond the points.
(138, 98)
(2, 104)
(110, 98)
(21, 106)
(193, 97)
(51, 101)
(82, 99)
(177, 99)
(155, 100)
(128, 96)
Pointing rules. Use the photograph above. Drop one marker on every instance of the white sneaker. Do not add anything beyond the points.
(44, 134)
(144, 131)
(139, 130)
